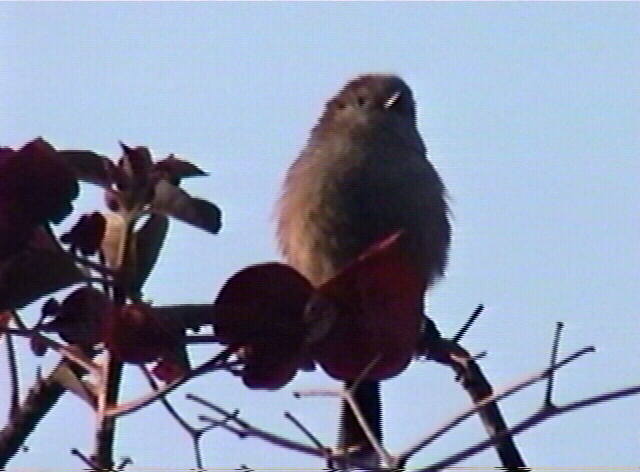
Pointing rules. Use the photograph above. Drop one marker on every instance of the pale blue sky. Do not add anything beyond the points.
(531, 113)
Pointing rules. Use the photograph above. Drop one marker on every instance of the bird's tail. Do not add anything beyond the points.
(352, 439)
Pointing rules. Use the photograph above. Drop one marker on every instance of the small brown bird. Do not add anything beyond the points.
(363, 175)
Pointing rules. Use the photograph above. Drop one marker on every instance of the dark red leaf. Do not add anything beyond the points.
(120, 176)
(168, 370)
(87, 233)
(89, 166)
(137, 163)
(112, 200)
(172, 201)
(173, 169)
(37, 270)
(378, 302)
(80, 317)
(261, 310)
(270, 366)
(16, 228)
(261, 300)
(134, 335)
(149, 241)
(36, 186)
(38, 181)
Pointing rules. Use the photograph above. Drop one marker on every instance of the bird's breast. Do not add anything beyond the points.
(344, 194)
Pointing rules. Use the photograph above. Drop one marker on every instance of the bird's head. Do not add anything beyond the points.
(370, 99)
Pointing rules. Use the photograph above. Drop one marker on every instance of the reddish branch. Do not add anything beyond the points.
(243, 429)
(492, 399)
(477, 386)
(106, 428)
(44, 394)
(542, 415)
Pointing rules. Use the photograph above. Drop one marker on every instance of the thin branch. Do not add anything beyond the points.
(443, 351)
(194, 434)
(474, 316)
(41, 398)
(213, 423)
(317, 392)
(224, 424)
(106, 426)
(100, 268)
(362, 375)
(18, 320)
(201, 339)
(346, 395)
(460, 417)
(529, 422)
(172, 411)
(381, 452)
(13, 377)
(245, 429)
(288, 415)
(89, 463)
(124, 463)
(554, 356)
(218, 362)
(71, 353)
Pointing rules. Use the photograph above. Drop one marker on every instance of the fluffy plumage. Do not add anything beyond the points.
(363, 175)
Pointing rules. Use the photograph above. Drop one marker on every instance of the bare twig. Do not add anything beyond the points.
(17, 319)
(480, 355)
(364, 373)
(106, 426)
(244, 429)
(201, 339)
(460, 417)
(172, 411)
(42, 396)
(123, 463)
(288, 415)
(449, 353)
(346, 395)
(529, 422)
(13, 377)
(224, 424)
(472, 318)
(89, 463)
(218, 362)
(194, 434)
(317, 392)
(554, 356)
(74, 355)
(381, 452)
(100, 268)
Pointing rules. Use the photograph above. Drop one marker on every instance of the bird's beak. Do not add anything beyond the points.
(392, 99)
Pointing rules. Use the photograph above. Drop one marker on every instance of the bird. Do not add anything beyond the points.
(362, 175)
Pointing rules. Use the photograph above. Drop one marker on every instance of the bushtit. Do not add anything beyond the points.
(363, 175)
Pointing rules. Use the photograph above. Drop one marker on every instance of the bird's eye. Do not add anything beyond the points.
(361, 101)
(394, 101)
